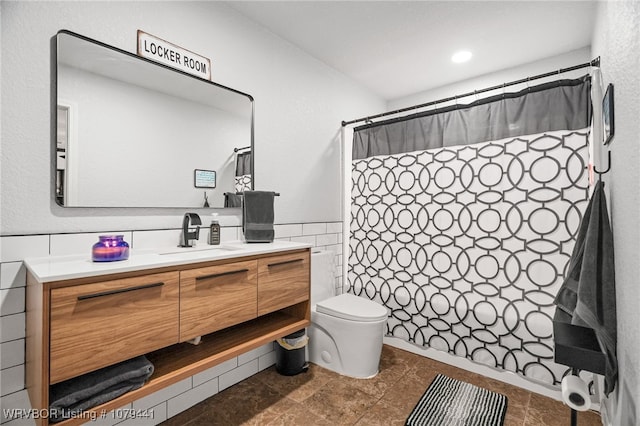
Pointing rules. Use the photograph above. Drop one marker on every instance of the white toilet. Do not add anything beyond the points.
(346, 331)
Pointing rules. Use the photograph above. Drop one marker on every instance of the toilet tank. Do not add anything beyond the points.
(322, 275)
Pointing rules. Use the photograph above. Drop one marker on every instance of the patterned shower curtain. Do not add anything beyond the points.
(467, 245)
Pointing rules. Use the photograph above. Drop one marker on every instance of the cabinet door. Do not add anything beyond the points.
(217, 297)
(99, 324)
(283, 280)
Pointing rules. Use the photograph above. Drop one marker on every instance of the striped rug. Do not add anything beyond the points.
(450, 402)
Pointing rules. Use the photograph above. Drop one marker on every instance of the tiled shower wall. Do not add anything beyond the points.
(171, 400)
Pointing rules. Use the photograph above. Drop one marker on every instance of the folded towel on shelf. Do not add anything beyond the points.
(588, 292)
(257, 216)
(73, 396)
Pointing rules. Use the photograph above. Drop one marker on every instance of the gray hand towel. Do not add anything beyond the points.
(588, 292)
(73, 396)
(257, 216)
(232, 200)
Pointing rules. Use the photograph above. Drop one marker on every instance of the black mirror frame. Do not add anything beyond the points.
(54, 103)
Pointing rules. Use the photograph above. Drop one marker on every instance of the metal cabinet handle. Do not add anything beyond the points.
(284, 262)
(120, 290)
(237, 271)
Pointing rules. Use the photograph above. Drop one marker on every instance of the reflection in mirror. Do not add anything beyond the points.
(131, 133)
(243, 180)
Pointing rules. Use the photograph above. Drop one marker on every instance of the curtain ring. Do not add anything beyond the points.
(528, 87)
(476, 95)
(504, 90)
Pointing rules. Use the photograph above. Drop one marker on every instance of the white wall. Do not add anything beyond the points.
(617, 41)
(299, 104)
(497, 78)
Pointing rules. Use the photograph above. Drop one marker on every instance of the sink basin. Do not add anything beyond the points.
(200, 250)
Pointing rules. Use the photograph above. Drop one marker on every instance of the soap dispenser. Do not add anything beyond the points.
(214, 231)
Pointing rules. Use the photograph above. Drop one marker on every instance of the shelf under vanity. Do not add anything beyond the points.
(83, 316)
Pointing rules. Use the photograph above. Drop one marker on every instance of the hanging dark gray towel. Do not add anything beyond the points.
(232, 200)
(257, 216)
(567, 296)
(588, 292)
(81, 393)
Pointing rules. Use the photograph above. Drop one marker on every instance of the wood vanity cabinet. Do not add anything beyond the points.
(217, 297)
(100, 324)
(80, 325)
(282, 281)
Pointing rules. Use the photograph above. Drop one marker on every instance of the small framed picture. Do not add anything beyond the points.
(204, 178)
(608, 127)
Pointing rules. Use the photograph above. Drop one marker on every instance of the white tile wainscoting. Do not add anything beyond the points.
(169, 401)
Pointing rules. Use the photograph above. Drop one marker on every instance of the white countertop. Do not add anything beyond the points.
(57, 268)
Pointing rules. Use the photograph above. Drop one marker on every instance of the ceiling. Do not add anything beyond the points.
(399, 48)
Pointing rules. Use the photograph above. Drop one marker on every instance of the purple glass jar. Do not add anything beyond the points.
(110, 248)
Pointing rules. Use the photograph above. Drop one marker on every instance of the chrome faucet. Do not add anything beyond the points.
(188, 234)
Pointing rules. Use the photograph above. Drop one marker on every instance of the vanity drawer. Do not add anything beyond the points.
(283, 281)
(217, 297)
(96, 325)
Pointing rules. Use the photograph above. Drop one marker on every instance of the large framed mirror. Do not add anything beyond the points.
(131, 132)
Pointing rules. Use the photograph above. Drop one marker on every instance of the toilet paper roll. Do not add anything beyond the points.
(575, 393)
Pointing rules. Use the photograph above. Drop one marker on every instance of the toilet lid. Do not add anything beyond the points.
(350, 307)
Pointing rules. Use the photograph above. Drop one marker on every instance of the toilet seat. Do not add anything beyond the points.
(354, 308)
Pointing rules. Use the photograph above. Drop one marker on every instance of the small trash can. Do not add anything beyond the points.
(290, 354)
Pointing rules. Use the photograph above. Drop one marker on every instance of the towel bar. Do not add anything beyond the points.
(277, 194)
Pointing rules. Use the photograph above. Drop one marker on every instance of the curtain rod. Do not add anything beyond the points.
(595, 63)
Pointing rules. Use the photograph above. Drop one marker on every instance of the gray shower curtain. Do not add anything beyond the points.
(463, 223)
(559, 105)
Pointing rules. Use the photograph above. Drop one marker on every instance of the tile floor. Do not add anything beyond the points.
(321, 397)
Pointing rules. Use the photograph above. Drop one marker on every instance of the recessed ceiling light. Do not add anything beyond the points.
(462, 56)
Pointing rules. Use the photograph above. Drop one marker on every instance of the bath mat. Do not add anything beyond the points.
(451, 402)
